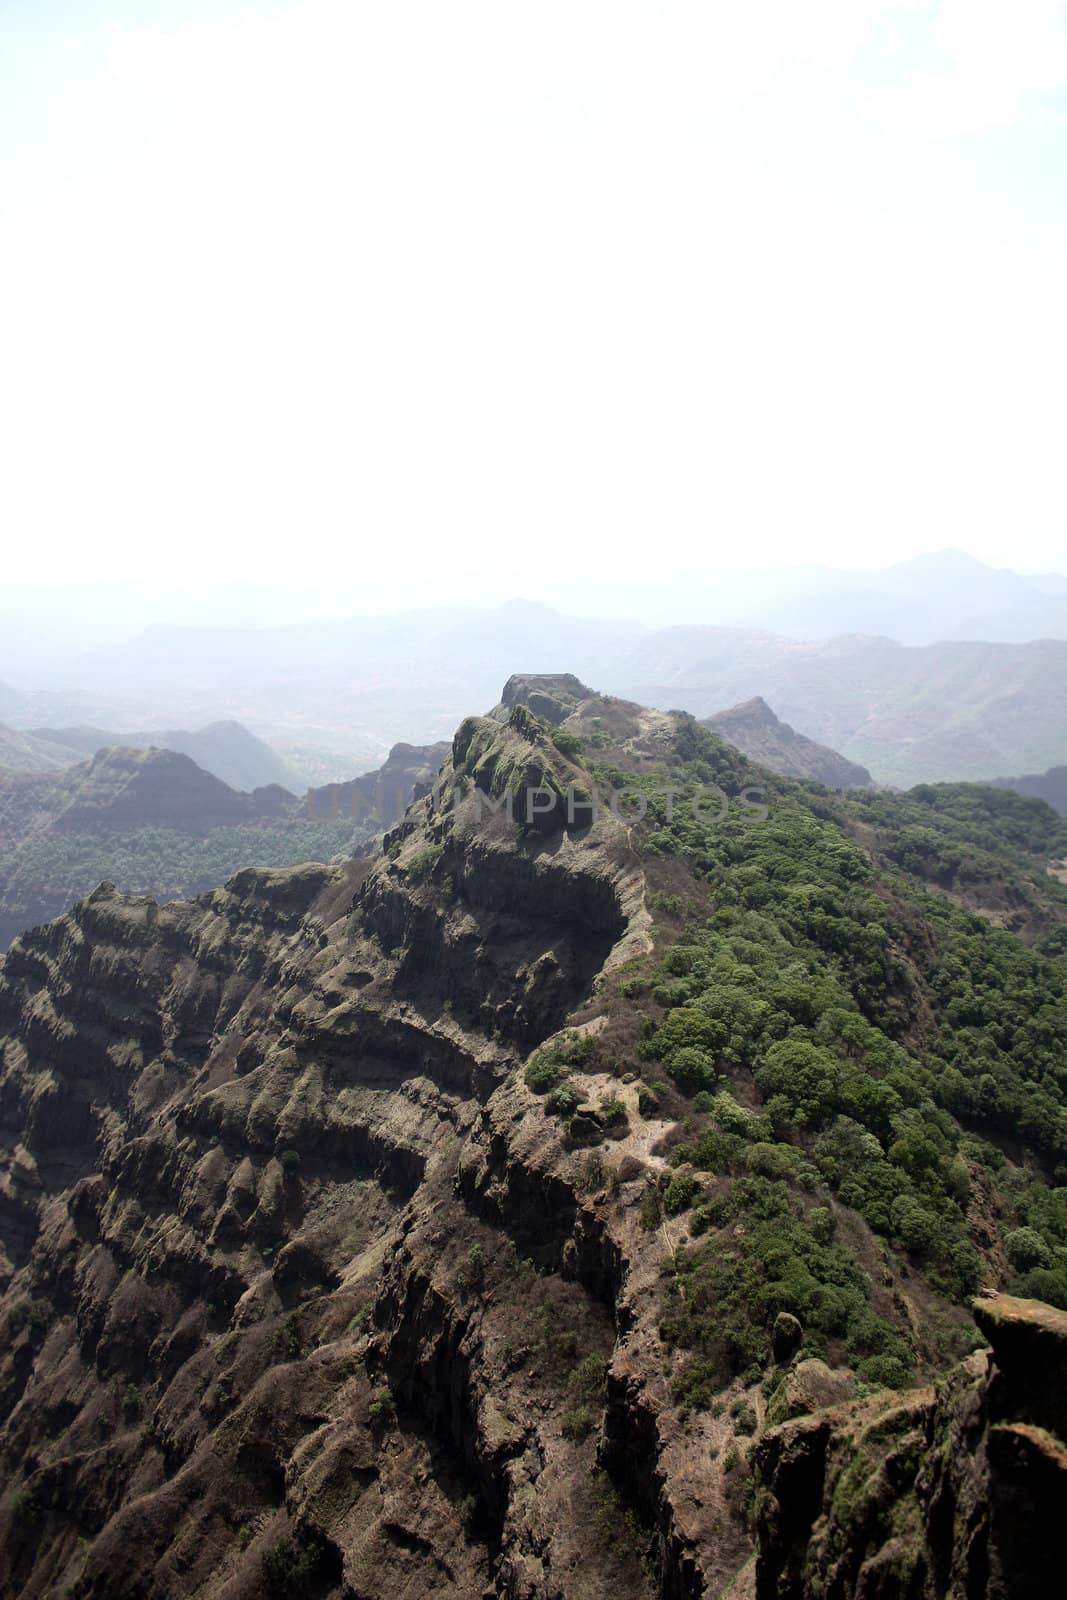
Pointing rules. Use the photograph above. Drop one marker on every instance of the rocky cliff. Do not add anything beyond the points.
(937, 1494)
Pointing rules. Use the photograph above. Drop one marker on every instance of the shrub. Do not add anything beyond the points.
(291, 1570)
(889, 1372)
(1027, 1249)
(578, 1424)
(680, 1193)
(613, 1112)
(651, 1208)
(287, 1338)
(567, 743)
(647, 1101)
(562, 1101)
(290, 1162)
(745, 1419)
(32, 1314)
(693, 1069)
(381, 1412)
(542, 1073)
(471, 1274)
(132, 1402)
(586, 1382)
(423, 862)
(574, 1049)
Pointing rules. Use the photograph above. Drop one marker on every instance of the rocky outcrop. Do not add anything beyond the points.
(553, 696)
(342, 1238)
(949, 1493)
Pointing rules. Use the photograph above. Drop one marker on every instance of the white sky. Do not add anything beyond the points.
(354, 290)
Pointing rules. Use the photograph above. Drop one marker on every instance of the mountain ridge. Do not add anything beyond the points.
(465, 1216)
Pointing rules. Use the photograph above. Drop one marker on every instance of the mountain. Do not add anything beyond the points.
(551, 1200)
(944, 595)
(380, 798)
(1049, 786)
(154, 822)
(225, 749)
(753, 728)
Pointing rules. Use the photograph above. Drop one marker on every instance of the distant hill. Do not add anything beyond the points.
(379, 798)
(153, 822)
(225, 749)
(753, 728)
(1050, 786)
(944, 595)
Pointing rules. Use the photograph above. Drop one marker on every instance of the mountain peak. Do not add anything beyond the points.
(754, 729)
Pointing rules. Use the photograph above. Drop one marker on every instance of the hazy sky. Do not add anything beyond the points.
(347, 288)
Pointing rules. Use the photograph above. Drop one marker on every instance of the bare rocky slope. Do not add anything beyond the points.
(310, 1288)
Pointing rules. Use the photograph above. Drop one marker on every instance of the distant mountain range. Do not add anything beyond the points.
(910, 714)
(945, 594)
(225, 749)
(330, 699)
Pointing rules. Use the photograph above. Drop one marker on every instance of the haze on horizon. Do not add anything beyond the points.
(416, 299)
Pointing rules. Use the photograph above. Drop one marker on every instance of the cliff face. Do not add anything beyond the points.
(939, 1494)
(273, 1314)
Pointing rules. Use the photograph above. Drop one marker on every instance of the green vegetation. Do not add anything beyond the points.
(287, 1340)
(423, 862)
(471, 1274)
(548, 1067)
(291, 1571)
(724, 1295)
(132, 1402)
(381, 1412)
(878, 1042)
(45, 873)
(35, 1315)
(563, 1101)
(542, 1073)
(568, 744)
